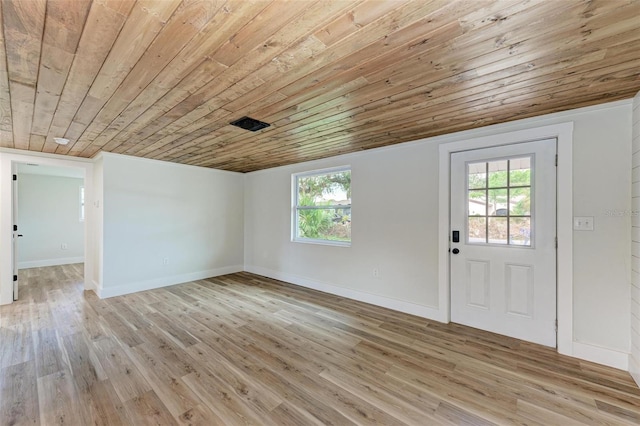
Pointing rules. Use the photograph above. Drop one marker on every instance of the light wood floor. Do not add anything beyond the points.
(242, 349)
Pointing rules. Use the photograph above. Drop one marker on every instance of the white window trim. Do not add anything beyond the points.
(294, 207)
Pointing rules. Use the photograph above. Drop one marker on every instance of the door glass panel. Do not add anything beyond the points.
(498, 174)
(499, 202)
(477, 203)
(498, 230)
(520, 202)
(477, 175)
(520, 171)
(478, 229)
(520, 231)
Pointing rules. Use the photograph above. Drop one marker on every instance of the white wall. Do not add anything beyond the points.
(395, 225)
(49, 216)
(601, 186)
(166, 223)
(634, 359)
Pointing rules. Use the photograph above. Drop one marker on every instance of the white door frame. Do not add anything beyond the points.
(9, 157)
(564, 134)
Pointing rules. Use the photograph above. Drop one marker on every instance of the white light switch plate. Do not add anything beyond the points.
(583, 223)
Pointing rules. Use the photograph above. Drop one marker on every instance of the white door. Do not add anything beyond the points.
(16, 234)
(503, 240)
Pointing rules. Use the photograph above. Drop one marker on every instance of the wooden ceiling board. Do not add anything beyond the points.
(300, 25)
(303, 123)
(6, 122)
(102, 26)
(162, 79)
(291, 77)
(232, 86)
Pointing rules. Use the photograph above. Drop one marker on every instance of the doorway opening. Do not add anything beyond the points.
(48, 219)
(9, 161)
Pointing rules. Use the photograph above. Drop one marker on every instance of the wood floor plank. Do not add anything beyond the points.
(400, 409)
(102, 405)
(244, 349)
(539, 415)
(147, 409)
(200, 415)
(460, 417)
(19, 394)
(286, 414)
(123, 374)
(48, 352)
(59, 400)
(220, 398)
(239, 380)
(17, 345)
(166, 384)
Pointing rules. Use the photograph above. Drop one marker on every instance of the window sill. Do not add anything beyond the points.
(322, 242)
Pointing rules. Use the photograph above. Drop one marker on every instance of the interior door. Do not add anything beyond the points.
(16, 235)
(503, 240)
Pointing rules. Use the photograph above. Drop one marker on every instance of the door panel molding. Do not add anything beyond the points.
(513, 291)
(478, 291)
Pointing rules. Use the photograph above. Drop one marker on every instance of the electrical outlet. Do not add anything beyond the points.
(64, 246)
(165, 261)
(583, 223)
(376, 273)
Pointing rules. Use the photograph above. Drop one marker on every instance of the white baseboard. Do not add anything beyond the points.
(50, 262)
(634, 369)
(91, 285)
(429, 312)
(107, 291)
(600, 355)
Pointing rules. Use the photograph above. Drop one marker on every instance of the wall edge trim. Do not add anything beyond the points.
(600, 355)
(120, 290)
(423, 311)
(50, 262)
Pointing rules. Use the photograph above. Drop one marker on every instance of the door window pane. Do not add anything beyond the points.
(520, 201)
(520, 231)
(477, 175)
(498, 174)
(477, 203)
(477, 229)
(520, 171)
(497, 202)
(499, 198)
(498, 231)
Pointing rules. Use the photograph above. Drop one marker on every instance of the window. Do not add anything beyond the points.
(499, 202)
(322, 207)
(82, 204)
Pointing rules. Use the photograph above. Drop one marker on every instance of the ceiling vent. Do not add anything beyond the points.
(250, 124)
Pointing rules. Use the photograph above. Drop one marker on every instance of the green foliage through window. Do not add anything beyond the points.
(499, 202)
(323, 206)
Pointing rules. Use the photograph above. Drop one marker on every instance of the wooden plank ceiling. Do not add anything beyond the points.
(162, 79)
